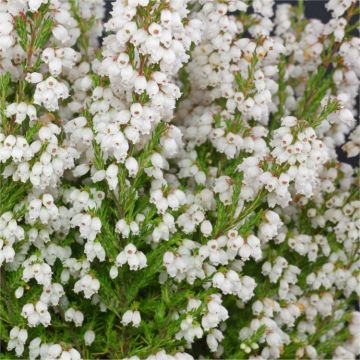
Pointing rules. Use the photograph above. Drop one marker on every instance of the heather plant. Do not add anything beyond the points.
(170, 184)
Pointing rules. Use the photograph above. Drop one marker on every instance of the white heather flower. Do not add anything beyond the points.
(48, 92)
(61, 34)
(131, 317)
(17, 340)
(114, 272)
(206, 228)
(89, 337)
(19, 292)
(136, 318)
(34, 77)
(127, 317)
(34, 5)
(88, 285)
(133, 257)
(132, 166)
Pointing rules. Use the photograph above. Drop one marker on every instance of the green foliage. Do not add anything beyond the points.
(84, 26)
(186, 84)
(43, 32)
(4, 85)
(5, 79)
(331, 107)
(34, 31)
(246, 86)
(21, 30)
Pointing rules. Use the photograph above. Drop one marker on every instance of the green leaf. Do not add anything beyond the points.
(21, 30)
(4, 84)
(43, 33)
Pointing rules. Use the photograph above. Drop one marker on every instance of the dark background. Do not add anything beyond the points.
(313, 9)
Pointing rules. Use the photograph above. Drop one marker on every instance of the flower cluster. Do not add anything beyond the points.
(170, 180)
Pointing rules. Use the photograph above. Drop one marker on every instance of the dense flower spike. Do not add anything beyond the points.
(173, 191)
